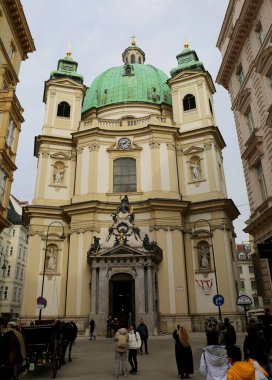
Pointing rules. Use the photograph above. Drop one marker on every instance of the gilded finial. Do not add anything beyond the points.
(69, 50)
(133, 42)
(186, 43)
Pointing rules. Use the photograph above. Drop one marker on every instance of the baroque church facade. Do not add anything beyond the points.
(130, 216)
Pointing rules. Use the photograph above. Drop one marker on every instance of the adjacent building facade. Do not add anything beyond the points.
(15, 44)
(245, 42)
(248, 283)
(130, 216)
(13, 258)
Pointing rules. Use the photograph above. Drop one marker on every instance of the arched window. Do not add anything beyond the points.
(124, 175)
(63, 109)
(139, 60)
(189, 102)
(132, 58)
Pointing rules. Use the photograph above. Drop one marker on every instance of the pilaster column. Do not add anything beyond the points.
(139, 292)
(93, 291)
(150, 290)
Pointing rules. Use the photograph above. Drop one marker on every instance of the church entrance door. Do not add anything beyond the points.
(122, 298)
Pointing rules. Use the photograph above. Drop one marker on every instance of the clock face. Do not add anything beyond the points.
(124, 143)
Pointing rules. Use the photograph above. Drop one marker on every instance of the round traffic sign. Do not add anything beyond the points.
(218, 300)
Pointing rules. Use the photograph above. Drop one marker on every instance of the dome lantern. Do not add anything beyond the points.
(67, 68)
(133, 54)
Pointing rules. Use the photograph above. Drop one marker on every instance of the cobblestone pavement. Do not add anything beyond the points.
(94, 360)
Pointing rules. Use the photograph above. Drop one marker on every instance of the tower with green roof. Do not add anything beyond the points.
(63, 96)
(192, 92)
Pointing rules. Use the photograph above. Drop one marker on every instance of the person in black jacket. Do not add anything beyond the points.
(143, 331)
(183, 352)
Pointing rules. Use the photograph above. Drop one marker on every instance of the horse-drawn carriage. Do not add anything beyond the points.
(43, 343)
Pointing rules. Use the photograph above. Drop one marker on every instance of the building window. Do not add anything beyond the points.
(3, 185)
(189, 102)
(260, 33)
(22, 274)
(249, 120)
(241, 270)
(20, 252)
(132, 58)
(19, 294)
(15, 294)
(13, 233)
(261, 180)
(8, 272)
(10, 133)
(253, 285)
(124, 175)
(139, 60)
(17, 272)
(11, 251)
(64, 109)
(240, 75)
(242, 284)
(251, 269)
(256, 301)
(6, 293)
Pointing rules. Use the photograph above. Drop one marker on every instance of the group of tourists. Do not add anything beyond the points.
(221, 359)
(129, 340)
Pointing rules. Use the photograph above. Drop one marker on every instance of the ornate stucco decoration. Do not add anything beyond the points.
(124, 233)
(60, 156)
(155, 144)
(193, 150)
(93, 147)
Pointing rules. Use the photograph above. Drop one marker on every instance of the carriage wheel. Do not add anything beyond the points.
(55, 359)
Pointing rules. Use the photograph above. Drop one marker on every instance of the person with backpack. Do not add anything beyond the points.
(121, 347)
(134, 343)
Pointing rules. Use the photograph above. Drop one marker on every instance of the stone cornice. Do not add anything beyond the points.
(16, 16)
(238, 35)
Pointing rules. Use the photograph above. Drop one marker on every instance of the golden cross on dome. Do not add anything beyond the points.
(186, 43)
(133, 42)
(69, 50)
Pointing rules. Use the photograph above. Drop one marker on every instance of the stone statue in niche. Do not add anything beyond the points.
(51, 259)
(196, 172)
(204, 257)
(58, 175)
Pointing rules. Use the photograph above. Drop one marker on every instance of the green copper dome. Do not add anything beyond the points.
(132, 82)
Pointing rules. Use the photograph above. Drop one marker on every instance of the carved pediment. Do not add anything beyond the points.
(121, 251)
(60, 156)
(243, 100)
(193, 150)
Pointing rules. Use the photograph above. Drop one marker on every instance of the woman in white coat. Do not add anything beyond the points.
(214, 362)
(134, 342)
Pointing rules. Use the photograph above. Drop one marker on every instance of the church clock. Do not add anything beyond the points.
(124, 143)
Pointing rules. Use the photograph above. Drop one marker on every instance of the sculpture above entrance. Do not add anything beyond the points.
(123, 232)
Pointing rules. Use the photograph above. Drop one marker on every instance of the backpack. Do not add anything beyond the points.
(122, 341)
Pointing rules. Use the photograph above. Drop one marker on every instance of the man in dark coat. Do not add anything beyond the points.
(230, 333)
(143, 331)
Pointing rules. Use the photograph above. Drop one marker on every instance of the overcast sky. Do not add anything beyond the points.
(99, 31)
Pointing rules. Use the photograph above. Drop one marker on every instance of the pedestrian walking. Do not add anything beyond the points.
(116, 325)
(230, 333)
(214, 362)
(134, 343)
(243, 370)
(183, 352)
(92, 327)
(143, 331)
(109, 326)
(121, 347)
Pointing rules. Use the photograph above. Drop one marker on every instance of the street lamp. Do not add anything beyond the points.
(46, 243)
(195, 233)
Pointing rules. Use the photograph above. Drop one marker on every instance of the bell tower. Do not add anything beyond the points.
(63, 96)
